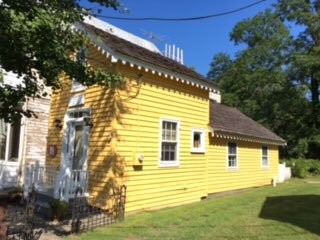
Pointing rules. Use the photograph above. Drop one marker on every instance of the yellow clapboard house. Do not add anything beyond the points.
(163, 133)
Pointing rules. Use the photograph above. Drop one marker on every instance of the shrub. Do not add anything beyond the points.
(58, 209)
(302, 168)
(15, 195)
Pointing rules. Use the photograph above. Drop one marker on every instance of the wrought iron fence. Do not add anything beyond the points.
(87, 213)
(21, 221)
(94, 211)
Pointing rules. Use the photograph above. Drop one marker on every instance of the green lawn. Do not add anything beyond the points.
(289, 211)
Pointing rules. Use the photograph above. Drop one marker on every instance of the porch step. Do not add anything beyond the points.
(42, 204)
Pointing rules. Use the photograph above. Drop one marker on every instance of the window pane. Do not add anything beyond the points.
(265, 161)
(173, 135)
(166, 156)
(232, 155)
(232, 148)
(169, 131)
(78, 147)
(167, 135)
(168, 152)
(232, 161)
(172, 156)
(264, 151)
(196, 140)
(14, 141)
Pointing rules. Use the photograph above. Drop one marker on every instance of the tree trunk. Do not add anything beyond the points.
(314, 91)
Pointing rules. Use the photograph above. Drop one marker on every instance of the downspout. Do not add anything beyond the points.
(22, 147)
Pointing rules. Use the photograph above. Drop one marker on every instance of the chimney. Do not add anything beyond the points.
(174, 53)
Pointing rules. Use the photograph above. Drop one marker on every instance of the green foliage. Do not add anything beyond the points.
(268, 79)
(36, 40)
(303, 168)
(15, 190)
(59, 209)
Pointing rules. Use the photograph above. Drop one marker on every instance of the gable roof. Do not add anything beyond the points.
(128, 52)
(228, 122)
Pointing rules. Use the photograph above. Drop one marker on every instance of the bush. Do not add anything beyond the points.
(58, 209)
(302, 168)
(15, 195)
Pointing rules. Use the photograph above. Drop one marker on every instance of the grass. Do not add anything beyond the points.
(289, 211)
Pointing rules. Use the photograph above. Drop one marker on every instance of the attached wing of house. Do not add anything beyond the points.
(230, 123)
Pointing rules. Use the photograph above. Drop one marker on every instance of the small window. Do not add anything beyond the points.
(9, 140)
(265, 158)
(232, 155)
(169, 143)
(198, 141)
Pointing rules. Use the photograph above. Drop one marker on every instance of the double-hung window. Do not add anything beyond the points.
(169, 143)
(265, 158)
(232, 155)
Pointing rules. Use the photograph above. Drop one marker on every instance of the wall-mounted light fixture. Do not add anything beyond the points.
(87, 121)
(57, 123)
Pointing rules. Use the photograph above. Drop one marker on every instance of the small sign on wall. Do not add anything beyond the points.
(52, 151)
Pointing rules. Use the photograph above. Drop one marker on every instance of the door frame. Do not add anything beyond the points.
(66, 144)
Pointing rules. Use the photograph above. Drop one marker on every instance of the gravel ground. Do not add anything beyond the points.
(51, 230)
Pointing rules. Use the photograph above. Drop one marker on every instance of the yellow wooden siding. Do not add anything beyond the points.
(126, 122)
(152, 186)
(58, 106)
(249, 172)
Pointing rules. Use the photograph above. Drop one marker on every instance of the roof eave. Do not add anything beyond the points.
(243, 137)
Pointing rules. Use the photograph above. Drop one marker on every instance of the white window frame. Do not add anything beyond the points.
(236, 167)
(8, 144)
(264, 156)
(174, 163)
(202, 147)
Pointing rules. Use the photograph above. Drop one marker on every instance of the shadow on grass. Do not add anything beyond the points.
(301, 210)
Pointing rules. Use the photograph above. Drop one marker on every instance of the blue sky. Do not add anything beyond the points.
(200, 39)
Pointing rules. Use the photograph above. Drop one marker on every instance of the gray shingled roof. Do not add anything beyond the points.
(229, 121)
(127, 48)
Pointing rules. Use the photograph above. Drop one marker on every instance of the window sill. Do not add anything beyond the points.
(168, 165)
(198, 151)
(265, 168)
(232, 169)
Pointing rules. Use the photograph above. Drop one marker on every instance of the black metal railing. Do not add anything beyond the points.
(95, 211)
(21, 221)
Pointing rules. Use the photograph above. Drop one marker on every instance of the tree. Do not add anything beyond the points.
(256, 80)
(220, 63)
(307, 44)
(305, 61)
(36, 41)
